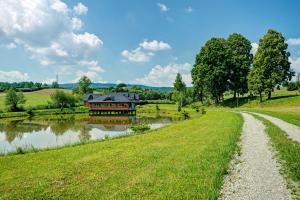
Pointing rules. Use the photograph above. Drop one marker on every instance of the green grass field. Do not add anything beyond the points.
(36, 98)
(185, 160)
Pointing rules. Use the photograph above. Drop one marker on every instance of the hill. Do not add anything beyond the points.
(36, 98)
(108, 85)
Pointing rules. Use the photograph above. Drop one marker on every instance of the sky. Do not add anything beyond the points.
(129, 41)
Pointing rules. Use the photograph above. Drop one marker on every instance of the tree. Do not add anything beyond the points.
(13, 100)
(179, 87)
(240, 62)
(211, 68)
(255, 81)
(62, 100)
(198, 82)
(84, 86)
(55, 84)
(271, 63)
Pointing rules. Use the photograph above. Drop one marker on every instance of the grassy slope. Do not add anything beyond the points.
(284, 105)
(185, 160)
(40, 97)
(287, 150)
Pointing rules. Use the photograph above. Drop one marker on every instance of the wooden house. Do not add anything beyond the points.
(117, 103)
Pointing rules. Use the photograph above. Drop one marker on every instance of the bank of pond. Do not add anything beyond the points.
(42, 132)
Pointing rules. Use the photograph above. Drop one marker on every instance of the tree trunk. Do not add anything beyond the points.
(237, 100)
(201, 97)
(234, 95)
(260, 97)
(269, 95)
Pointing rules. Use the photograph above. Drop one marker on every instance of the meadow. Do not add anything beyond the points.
(185, 160)
(35, 98)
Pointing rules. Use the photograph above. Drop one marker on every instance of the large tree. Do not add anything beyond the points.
(84, 86)
(240, 62)
(271, 64)
(13, 100)
(211, 68)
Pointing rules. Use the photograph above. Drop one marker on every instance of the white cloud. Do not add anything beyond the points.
(48, 31)
(293, 41)
(93, 75)
(88, 39)
(189, 9)
(295, 63)
(10, 45)
(254, 48)
(154, 45)
(76, 23)
(119, 81)
(13, 76)
(165, 75)
(163, 7)
(137, 55)
(59, 6)
(80, 9)
(49, 81)
(91, 65)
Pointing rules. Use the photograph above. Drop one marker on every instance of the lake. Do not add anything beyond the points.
(55, 131)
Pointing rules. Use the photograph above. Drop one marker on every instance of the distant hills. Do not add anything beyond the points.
(108, 85)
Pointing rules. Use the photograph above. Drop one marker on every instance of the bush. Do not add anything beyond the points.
(19, 150)
(291, 86)
(13, 100)
(140, 128)
(203, 111)
(185, 115)
(62, 100)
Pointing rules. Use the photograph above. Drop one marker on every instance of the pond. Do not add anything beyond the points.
(49, 132)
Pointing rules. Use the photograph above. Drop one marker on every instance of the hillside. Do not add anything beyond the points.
(36, 98)
(108, 85)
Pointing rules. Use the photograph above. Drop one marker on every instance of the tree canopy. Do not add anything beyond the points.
(211, 68)
(271, 64)
(240, 62)
(13, 100)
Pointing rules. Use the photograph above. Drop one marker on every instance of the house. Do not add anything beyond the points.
(116, 103)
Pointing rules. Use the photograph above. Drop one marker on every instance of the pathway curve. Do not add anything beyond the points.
(255, 173)
(291, 130)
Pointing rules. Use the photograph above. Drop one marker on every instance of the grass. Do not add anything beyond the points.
(291, 117)
(288, 151)
(35, 98)
(185, 160)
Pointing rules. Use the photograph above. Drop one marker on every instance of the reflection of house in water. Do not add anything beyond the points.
(120, 103)
(109, 123)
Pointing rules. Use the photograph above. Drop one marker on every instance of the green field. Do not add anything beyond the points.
(185, 160)
(36, 98)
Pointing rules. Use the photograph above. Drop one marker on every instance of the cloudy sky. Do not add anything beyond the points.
(131, 41)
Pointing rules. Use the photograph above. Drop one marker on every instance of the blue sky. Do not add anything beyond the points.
(133, 41)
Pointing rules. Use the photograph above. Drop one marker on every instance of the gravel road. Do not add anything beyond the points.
(291, 130)
(255, 173)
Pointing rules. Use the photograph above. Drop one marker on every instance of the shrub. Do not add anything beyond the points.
(19, 150)
(291, 86)
(62, 100)
(140, 128)
(13, 100)
(185, 115)
(203, 111)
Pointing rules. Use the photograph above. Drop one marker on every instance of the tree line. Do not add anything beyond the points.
(228, 65)
(26, 86)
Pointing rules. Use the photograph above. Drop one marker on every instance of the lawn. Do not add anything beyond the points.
(288, 151)
(36, 98)
(185, 160)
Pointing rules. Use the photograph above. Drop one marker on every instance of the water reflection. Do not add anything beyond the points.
(50, 132)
